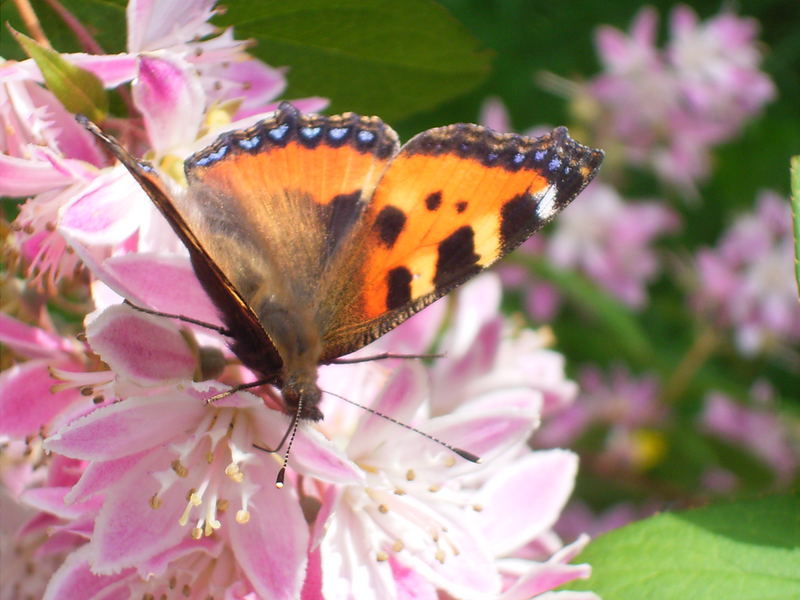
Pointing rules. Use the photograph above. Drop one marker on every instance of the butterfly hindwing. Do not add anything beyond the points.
(453, 201)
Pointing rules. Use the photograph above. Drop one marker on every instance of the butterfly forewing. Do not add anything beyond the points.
(274, 205)
(453, 201)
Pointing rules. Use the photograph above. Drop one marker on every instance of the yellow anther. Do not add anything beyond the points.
(242, 516)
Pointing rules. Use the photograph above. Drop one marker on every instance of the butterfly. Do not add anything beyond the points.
(314, 235)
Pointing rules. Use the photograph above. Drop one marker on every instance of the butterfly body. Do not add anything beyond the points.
(315, 235)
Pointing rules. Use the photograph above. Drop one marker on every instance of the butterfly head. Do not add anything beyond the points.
(302, 396)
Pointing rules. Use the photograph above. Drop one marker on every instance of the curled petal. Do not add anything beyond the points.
(141, 347)
(170, 97)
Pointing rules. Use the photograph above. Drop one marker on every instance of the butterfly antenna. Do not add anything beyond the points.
(462, 453)
(293, 428)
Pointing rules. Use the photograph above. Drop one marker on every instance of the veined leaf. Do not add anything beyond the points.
(747, 550)
(372, 56)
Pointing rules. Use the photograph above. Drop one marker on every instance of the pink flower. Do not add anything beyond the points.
(420, 508)
(627, 409)
(716, 64)
(747, 281)
(81, 212)
(167, 481)
(756, 427)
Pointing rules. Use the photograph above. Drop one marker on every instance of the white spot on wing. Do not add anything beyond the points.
(547, 203)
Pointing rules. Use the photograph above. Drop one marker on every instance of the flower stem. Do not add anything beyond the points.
(704, 344)
(83, 35)
(31, 21)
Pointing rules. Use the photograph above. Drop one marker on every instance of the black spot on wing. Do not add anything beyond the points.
(343, 212)
(518, 220)
(433, 201)
(461, 206)
(389, 223)
(398, 282)
(457, 259)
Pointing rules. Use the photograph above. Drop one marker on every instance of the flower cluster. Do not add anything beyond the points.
(120, 479)
(753, 425)
(664, 108)
(187, 80)
(625, 406)
(746, 283)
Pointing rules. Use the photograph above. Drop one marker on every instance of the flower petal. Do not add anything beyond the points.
(165, 283)
(107, 211)
(19, 385)
(128, 530)
(170, 97)
(74, 579)
(127, 427)
(99, 475)
(400, 399)
(141, 347)
(525, 498)
(31, 342)
(271, 547)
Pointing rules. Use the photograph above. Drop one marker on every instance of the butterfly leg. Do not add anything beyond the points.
(381, 356)
(239, 388)
(219, 329)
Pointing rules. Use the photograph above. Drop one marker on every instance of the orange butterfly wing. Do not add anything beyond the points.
(273, 205)
(453, 201)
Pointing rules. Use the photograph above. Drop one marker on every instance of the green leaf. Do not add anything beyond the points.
(795, 185)
(610, 313)
(371, 56)
(747, 550)
(77, 89)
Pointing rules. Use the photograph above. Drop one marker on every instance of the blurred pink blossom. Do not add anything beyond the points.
(627, 409)
(611, 241)
(747, 282)
(579, 519)
(757, 427)
(666, 108)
